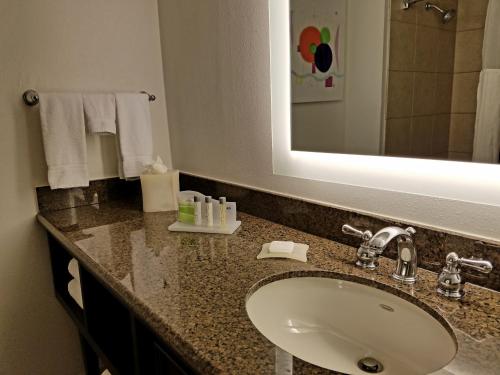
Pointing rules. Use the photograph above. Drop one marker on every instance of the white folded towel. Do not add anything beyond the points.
(63, 131)
(100, 113)
(75, 291)
(73, 269)
(487, 131)
(135, 138)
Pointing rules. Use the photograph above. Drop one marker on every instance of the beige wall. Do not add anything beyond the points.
(420, 81)
(65, 45)
(468, 65)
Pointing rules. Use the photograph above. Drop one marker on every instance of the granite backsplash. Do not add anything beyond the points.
(323, 221)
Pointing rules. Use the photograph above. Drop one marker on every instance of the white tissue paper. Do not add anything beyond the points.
(159, 187)
(158, 167)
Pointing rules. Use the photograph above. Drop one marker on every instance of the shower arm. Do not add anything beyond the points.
(408, 3)
(429, 6)
(446, 14)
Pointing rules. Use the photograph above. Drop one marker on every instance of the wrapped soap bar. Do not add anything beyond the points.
(159, 188)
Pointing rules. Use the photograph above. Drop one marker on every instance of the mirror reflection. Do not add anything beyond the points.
(406, 78)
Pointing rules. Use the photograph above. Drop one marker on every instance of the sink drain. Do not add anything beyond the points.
(370, 365)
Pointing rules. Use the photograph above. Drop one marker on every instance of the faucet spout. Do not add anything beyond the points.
(406, 267)
(384, 236)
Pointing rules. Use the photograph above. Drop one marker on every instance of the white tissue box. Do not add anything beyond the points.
(159, 191)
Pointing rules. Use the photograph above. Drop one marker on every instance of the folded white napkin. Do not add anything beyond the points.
(63, 132)
(135, 138)
(100, 113)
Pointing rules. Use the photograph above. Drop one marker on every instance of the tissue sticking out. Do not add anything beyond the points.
(158, 167)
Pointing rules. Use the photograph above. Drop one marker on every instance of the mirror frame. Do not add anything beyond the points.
(462, 181)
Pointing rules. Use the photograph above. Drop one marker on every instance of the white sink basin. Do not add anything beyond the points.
(334, 324)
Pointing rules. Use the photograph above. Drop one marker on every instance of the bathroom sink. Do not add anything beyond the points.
(346, 326)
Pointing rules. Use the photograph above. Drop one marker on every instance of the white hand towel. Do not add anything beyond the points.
(73, 269)
(135, 138)
(63, 131)
(75, 291)
(487, 131)
(100, 113)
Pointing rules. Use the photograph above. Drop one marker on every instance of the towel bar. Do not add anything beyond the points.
(31, 98)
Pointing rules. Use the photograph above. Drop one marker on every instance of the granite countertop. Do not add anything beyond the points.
(191, 288)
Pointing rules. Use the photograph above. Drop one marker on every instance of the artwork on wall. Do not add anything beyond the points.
(317, 42)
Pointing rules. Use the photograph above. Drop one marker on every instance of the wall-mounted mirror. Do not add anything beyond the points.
(440, 96)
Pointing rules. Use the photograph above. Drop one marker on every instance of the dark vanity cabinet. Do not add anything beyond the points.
(112, 337)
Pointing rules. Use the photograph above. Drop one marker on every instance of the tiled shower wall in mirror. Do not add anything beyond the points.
(433, 78)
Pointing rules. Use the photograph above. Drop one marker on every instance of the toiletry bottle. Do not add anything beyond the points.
(209, 211)
(197, 211)
(222, 212)
(186, 212)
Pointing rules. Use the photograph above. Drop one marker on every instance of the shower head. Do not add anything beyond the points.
(446, 14)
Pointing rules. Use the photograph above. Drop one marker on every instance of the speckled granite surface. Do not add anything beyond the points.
(191, 288)
(324, 221)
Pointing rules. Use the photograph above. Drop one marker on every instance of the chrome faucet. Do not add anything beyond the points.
(450, 281)
(374, 245)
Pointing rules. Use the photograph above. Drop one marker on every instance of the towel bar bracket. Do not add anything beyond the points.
(151, 97)
(31, 97)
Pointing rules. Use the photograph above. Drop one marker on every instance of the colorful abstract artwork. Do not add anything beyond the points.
(317, 42)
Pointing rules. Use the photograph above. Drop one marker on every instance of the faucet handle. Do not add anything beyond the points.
(453, 261)
(351, 231)
(411, 230)
(450, 281)
(367, 256)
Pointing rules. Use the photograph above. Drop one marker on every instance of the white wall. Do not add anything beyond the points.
(319, 127)
(219, 100)
(354, 124)
(65, 45)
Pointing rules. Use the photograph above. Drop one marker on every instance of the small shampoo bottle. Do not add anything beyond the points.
(222, 212)
(209, 211)
(197, 211)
